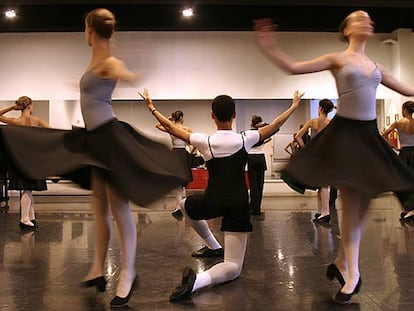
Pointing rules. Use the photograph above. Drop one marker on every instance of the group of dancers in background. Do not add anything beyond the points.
(348, 153)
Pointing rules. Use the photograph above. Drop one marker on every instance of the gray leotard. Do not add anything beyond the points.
(178, 143)
(406, 140)
(357, 92)
(95, 100)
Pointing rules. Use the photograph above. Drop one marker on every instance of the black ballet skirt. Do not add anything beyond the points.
(407, 156)
(18, 182)
(407, 198)
(186, 160)
(139, 168)
(349, 153)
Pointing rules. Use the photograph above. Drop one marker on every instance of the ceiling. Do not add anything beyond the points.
(213, 15)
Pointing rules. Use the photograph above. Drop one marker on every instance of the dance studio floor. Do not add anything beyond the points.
(284, 267)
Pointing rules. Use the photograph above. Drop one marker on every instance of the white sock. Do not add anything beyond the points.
(203, 279)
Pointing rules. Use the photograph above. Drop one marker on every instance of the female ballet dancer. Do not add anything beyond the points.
(317, 125)
(405, 129)
(226, 195)
(96, 86)
(27, 212)
(179, 146)
(116, 153)
(350, 145)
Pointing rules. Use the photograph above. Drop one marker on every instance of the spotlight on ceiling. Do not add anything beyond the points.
(188, 12)
(10, 13)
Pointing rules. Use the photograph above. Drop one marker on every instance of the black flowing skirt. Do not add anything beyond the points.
(407, 198)
(349, 153)
(18, 182)
(407, 156)
(139, 168)
(186, 160)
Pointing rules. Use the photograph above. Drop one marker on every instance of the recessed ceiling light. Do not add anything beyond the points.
(188, 12)
(10, 13)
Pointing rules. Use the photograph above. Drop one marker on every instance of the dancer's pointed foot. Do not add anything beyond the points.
(345, 298)
(120, 302)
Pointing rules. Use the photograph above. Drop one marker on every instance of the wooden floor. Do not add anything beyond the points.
(284, 269)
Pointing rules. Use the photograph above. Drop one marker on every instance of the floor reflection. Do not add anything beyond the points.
(284, 268)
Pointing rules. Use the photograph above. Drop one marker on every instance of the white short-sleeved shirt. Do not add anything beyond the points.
(223, 143)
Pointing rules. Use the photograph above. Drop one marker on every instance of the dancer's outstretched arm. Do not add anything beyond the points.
(268, 130)
(169, 126)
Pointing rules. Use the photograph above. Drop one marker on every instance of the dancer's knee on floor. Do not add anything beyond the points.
(233, 270)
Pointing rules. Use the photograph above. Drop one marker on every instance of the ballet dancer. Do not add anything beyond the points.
(343, 154)
(226, 195)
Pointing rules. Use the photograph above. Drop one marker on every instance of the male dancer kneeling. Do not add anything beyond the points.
(225, 153)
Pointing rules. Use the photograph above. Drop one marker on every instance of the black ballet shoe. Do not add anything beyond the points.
(322, 220)
(402, 215)
(333, 272)
(408, 218)
(177, 214)
(187, 284)
(358, 286)
(207, 252)
(34, 222)
(99, 283)
(343, 298)
(23, 226)
(317, 215)
(120, 302)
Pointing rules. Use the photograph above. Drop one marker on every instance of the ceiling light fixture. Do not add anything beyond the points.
(10, 14)
(188, 12)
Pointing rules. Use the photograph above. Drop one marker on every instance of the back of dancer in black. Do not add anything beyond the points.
(226, 195)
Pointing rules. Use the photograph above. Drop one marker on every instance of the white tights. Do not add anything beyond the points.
(107, 200)
(27, 208)
(354, 214)
(323, 201)
(179, 195)
(234, 251)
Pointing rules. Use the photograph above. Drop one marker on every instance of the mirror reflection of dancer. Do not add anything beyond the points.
(256, 167)
(405, 128)
(226, 195)
(180, 146)
(317, 125)
(349, 154)
(17, 182)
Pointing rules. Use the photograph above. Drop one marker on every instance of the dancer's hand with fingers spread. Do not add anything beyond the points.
(146, 97)
(265, 33)
(297, 96)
